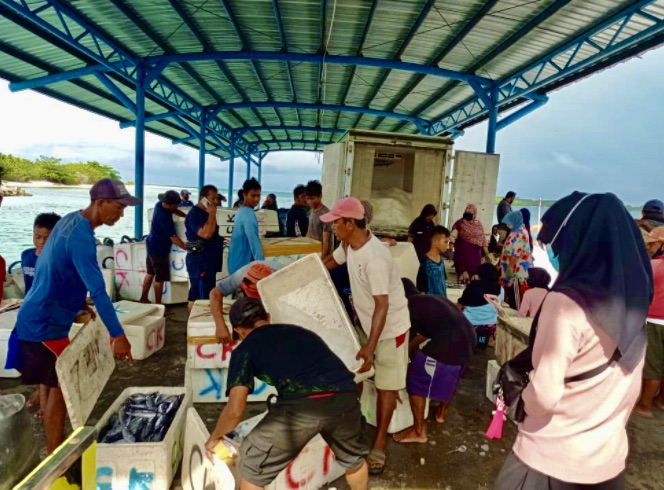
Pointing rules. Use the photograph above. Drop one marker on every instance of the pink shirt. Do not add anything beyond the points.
(657, 306)
(531, 301)
(575, 432)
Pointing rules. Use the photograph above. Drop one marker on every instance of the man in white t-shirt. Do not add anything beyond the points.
(381, 306)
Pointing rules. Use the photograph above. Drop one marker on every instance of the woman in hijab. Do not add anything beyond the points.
(588, 352)
(469, 244)
(419, 233)
(270, 203)
(517, 256)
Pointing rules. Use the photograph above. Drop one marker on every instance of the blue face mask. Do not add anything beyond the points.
(553, 258)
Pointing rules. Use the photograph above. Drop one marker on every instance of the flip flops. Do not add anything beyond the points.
(376, 461)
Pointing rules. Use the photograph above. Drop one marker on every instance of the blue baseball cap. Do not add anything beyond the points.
(653, 206)
(115, 190)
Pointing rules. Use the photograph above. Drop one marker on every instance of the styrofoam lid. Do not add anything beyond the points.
(128, 311)
(83, 369)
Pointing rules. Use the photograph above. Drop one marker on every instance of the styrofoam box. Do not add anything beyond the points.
(209, 385)
(302, 294)
(144, 325)
(402, 418)
(226, 221)
(198, 473)
(492, 368)
(7, 322)
(178, 221)
(454, 294)
(145, 465)
(313, 468)
(405, 257)
(201, 324)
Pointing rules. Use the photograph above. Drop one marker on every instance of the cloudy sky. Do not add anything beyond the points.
(604, 133)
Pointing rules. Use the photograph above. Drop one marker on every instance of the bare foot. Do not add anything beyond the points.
(441, 412)
(34, 399)
(410, 435)
(39, 414)
(144, 301)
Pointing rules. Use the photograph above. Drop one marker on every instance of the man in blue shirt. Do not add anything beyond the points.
(245, 239)
(158, 244)
(66, 271)
(41, 230)
(185, 202)
(204, 245)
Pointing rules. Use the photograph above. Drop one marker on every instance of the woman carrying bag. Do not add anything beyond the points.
(588, 351)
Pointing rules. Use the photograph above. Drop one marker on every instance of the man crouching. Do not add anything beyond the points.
(316, 396)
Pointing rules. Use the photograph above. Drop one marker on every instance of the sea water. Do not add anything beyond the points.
(17, 214)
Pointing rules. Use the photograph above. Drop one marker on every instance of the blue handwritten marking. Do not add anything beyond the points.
(182, 264)
(104, 472)
(140, 481)
(260, 388)
(214, 385)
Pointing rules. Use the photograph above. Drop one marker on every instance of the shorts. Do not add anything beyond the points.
(200, 287)
(483, 333)
(288, 427)
(159, 267)
(37, 364)
(391, 363)
(654, 365)
(517, 475)
(432, 379)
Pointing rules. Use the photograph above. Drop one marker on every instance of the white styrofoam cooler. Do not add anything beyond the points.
(402, 418)
(209, 385)
(405, 257)
(302, 294)
(144, 465)
(207, 353)
(144, 325)
(492, 368)
(7, 322)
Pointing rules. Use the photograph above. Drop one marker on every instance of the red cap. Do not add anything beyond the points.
(255, 273)
(348, 207)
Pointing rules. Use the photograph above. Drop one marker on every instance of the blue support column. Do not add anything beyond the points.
(201, 153)
(493, 122)
(260, 167)
(139, 152)
(249, 167)
(231, 170)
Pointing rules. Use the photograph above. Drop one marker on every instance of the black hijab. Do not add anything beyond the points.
(604, 267)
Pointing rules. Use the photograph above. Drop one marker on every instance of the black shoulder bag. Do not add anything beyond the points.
(514, 375)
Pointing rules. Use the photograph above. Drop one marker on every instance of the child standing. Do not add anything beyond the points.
(42, 228)
(538, 282)
(480, 313)
(432, 278)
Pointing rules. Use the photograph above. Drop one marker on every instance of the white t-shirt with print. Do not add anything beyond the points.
(372, 273)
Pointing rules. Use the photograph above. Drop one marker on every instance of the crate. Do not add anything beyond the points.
(402, 418)
(405, 257)
(302, 294)
(208, 385)
(145, 465)
(512, 334)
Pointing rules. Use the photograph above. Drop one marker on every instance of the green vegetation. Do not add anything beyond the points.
(19, 169)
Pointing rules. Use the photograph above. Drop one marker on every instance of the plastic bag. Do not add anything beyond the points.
(18, 455)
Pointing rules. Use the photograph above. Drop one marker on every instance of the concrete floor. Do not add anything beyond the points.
(426, 466)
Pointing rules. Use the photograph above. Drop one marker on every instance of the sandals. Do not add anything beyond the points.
(376, 461)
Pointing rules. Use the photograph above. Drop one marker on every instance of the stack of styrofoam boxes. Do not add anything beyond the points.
(106, 261)
(313, 468)
(405, 257)
(226, 222)
(130, 263)
(207, 361)
(144, 325)
(7, 322)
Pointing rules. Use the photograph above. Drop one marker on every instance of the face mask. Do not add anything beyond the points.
(468, 216)
(553, 258)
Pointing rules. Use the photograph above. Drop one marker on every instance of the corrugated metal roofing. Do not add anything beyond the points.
(493, 39)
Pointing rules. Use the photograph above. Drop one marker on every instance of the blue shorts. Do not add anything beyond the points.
(432, 379)
(200, 286)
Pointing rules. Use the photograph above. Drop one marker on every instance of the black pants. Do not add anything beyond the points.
(516, 475)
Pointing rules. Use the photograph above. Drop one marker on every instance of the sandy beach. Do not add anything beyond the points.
(44, 184)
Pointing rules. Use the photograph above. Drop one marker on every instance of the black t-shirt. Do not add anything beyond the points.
(474, 293)
(292, 359)
(452, 336)
(297, 221)
(420, 230)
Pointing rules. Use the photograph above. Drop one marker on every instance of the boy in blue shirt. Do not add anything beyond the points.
(245, 239)
(41, 230)
(158, 244)
(66, 271)
(431, 278)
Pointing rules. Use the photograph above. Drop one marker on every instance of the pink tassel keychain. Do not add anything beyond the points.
(495, 430)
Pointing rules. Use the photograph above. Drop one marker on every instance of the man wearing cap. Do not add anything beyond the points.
(162, 236)
(382, 308)
(316, 395)
(244, 279)
(67, 269)
(185, 202)
(653, 370)
(652, 215)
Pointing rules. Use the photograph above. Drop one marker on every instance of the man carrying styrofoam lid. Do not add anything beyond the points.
(316, 395)
(381, 306)
(245, 280)
(66, 270)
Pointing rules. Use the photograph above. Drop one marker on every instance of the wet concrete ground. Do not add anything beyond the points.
(426, 466)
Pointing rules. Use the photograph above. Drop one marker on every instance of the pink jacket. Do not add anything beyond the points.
(575, 432)
(531, 301)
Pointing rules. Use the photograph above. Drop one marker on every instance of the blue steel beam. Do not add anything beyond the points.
(281, 140)
(406, 66)
(119, 94)
(424, 12)
(501, 47)
(73, 31)
(272, 150)
(523, 111)
(139, 152)
(284, 48)
(546, 70)
(422, 124)
(288, 128)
